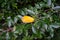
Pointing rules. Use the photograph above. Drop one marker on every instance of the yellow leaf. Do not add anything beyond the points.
(27, 19)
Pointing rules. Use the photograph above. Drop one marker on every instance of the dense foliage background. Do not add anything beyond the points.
(45, 26)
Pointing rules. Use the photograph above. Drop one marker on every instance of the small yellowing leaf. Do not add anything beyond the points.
(14, 28)
(27, 19)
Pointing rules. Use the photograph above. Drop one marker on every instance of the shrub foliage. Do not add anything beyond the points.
(12, 27)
